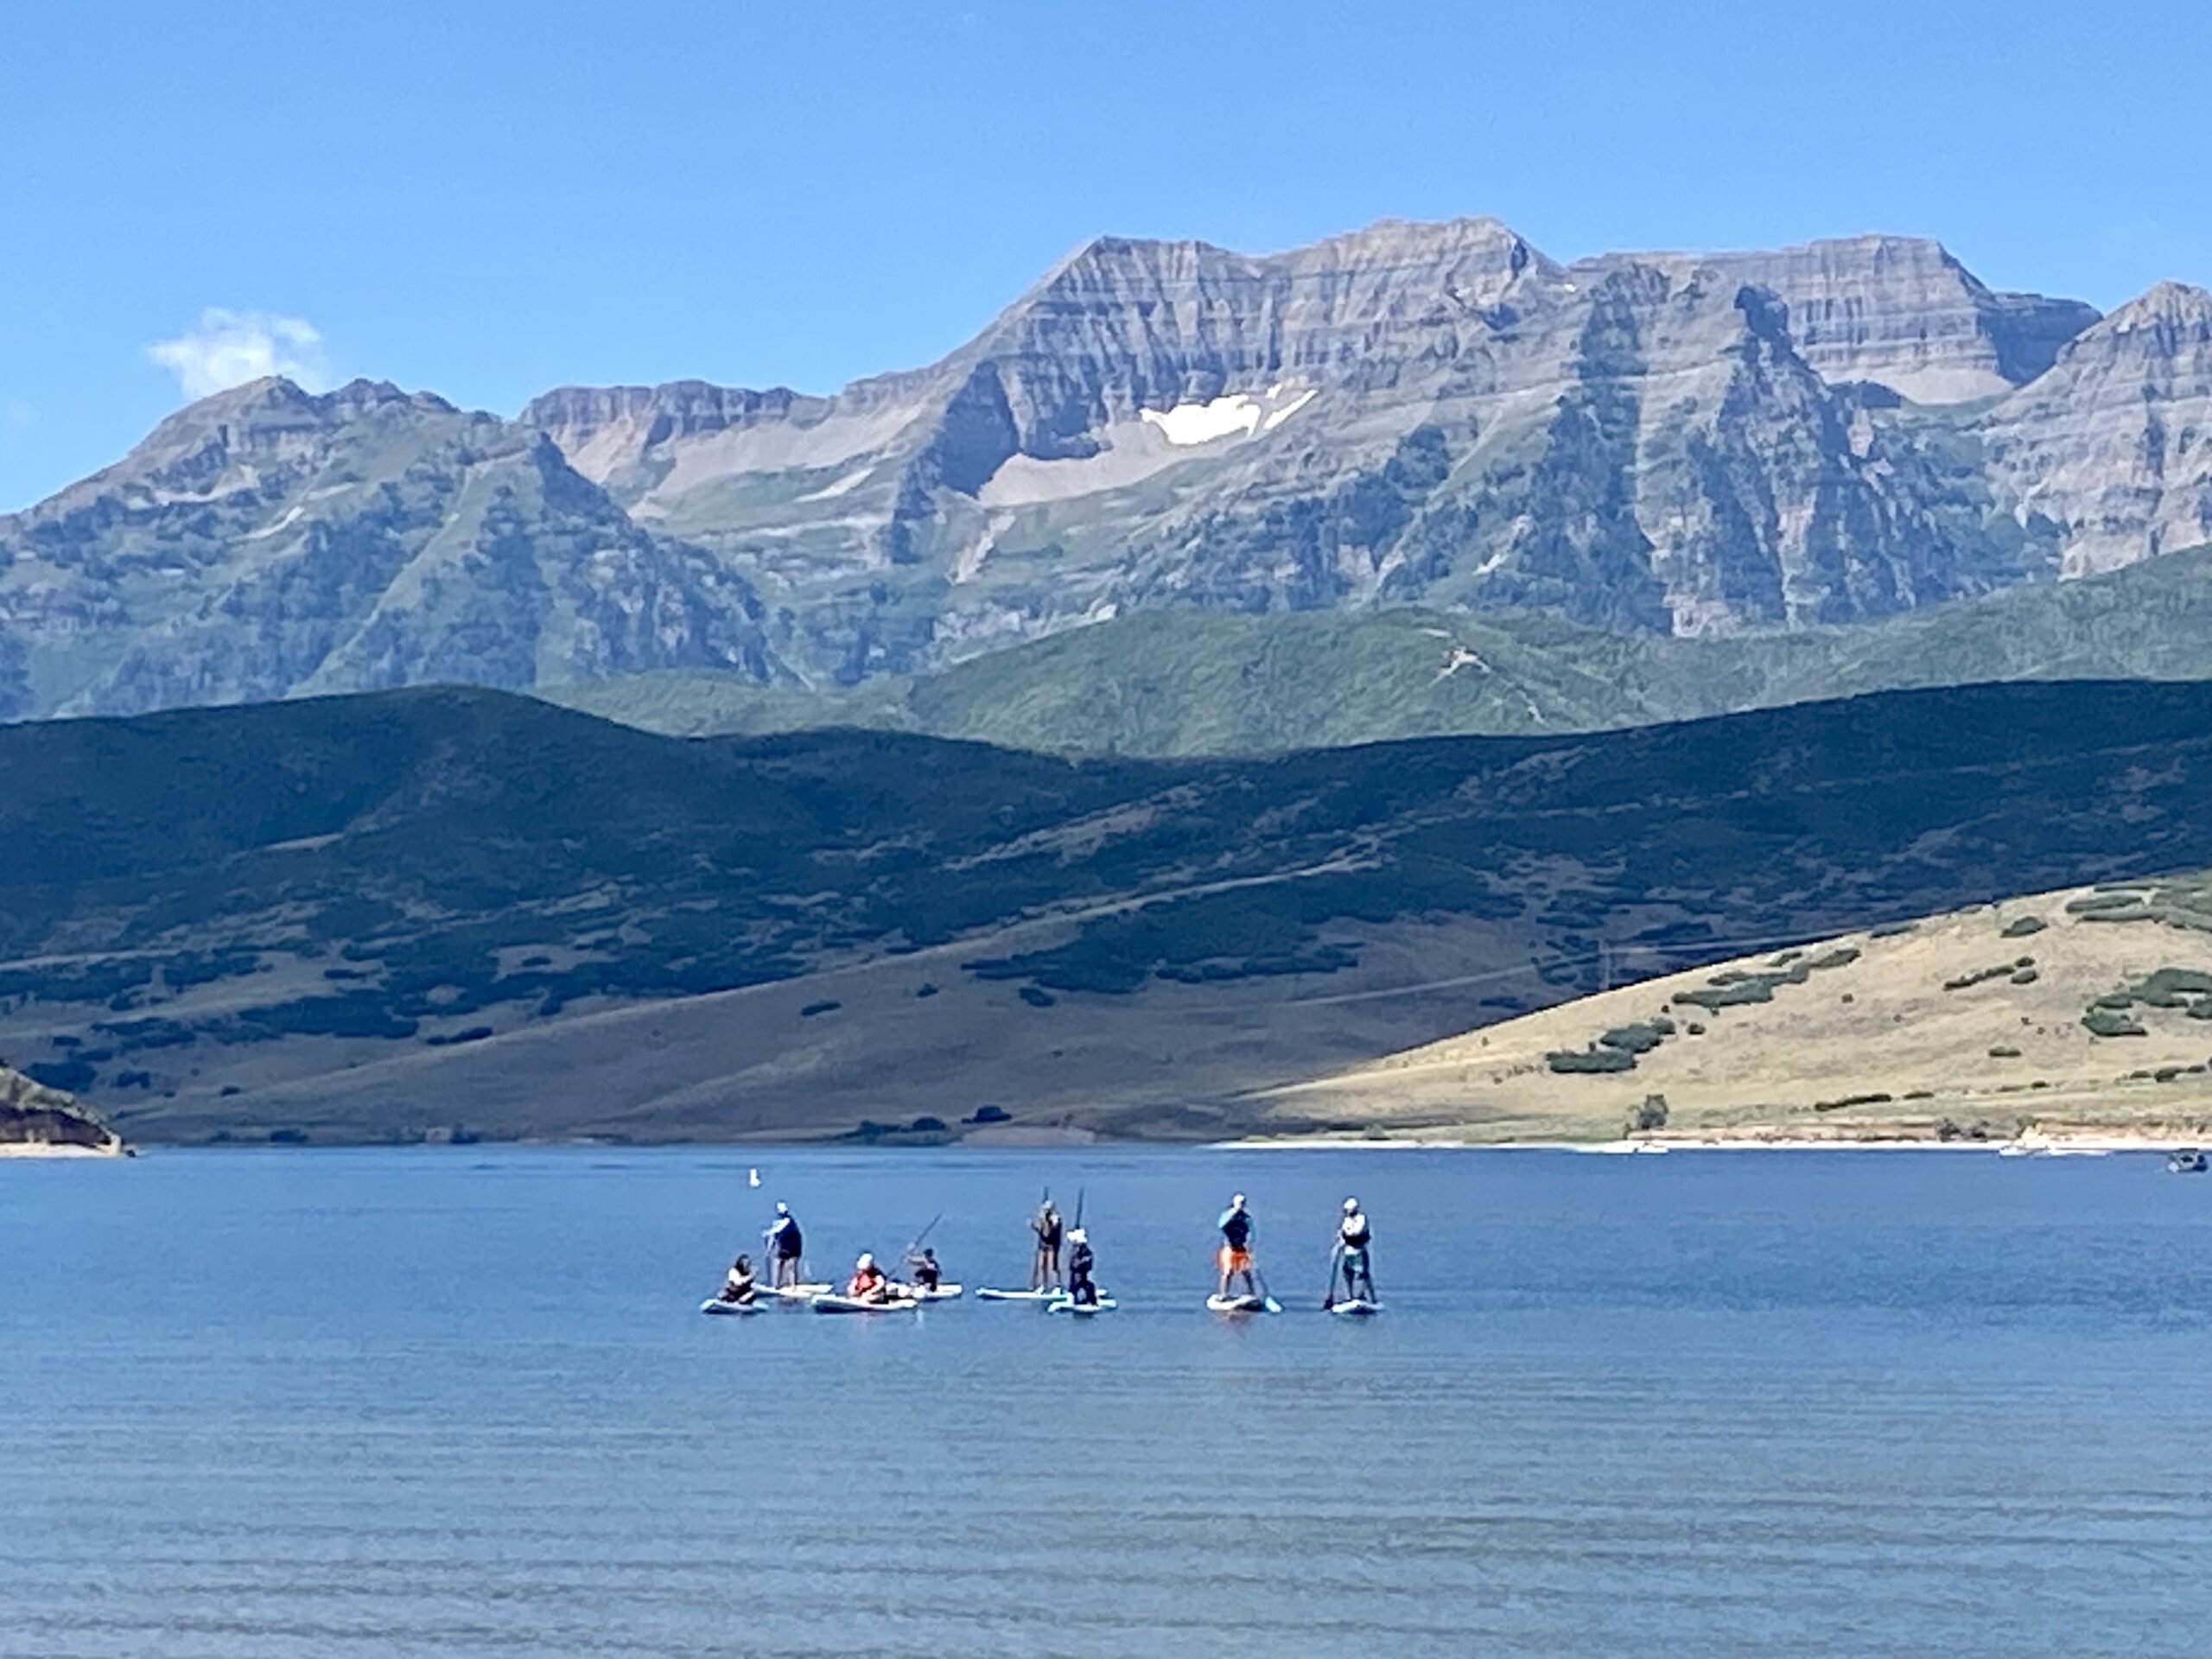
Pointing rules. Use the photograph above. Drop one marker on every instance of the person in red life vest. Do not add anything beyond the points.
(868, 1283)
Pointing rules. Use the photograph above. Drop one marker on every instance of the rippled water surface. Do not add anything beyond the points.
(457, 1402)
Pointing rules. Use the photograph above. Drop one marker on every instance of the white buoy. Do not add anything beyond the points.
(752, 1177)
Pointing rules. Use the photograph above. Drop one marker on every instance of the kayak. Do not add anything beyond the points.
(1243, 1305)
(854, 1305)
(987, 1295)
(1082, 1310)
(715, 1305)
(1357, 1308)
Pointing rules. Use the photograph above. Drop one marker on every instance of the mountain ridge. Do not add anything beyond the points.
(1412, 414)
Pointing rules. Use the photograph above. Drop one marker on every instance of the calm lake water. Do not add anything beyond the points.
(459, 1402)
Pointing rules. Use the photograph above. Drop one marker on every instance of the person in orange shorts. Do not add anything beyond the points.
(1236, 1247)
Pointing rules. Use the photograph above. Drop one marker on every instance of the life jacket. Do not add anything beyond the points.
(865, 1283)
(1079, 1262)
(1356, 1231)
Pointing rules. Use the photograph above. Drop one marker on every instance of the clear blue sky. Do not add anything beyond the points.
(489, 199)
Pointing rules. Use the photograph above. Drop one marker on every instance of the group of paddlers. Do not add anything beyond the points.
(1064, 1264)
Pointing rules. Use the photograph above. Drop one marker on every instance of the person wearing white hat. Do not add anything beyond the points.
(784, 1245)
(1081, 1260)
(868, 1283)
(1354, 1237)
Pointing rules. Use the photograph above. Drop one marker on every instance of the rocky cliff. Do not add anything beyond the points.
(34, 1117)
(1434, 414)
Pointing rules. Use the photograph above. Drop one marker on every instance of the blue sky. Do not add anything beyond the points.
(490, 199)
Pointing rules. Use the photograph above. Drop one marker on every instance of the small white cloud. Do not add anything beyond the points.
(228, 348)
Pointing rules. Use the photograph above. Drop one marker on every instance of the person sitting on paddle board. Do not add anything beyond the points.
(783, 1247)
(1045, 1272)
(1081, 1291)
(738, 1287)
(1354, 1234)
(923, 1268)
(1236, 1247)
(868, 1283)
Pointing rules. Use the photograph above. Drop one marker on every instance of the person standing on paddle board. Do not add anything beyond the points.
(1081, 1260)
(1236, 1225)
(1354, 1237)
(1045, 1272)
(784, 1244)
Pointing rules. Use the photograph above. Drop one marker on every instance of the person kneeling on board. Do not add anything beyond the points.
(1354, 1237)
(1236, 1247)
(1081, 1290)
(784, 1245)
(868, 1283)
(738, 1287)
(923, 1270)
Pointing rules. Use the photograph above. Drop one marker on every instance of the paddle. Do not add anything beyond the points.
(1336, 1256)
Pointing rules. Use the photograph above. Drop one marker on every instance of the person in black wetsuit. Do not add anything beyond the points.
(1045, 1271)
(784, 1244)
(1081, 1261)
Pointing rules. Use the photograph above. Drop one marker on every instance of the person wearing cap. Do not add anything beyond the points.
(784, 1244)
(1354, 1234)
(1236, 1225)
(868, 1283)
(1081, 1260)
(1045, 1271)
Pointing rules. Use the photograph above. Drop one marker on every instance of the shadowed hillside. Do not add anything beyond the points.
(386, 915)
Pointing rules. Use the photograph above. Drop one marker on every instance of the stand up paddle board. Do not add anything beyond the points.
(853, 1305)
(1243, 1305)
(1357, 1308)
(942, 1293)
(987, 1295)
(715, 1305)
(1082, 1310)
(796, 1293)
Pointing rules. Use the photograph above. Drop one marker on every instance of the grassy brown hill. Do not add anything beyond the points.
(383, 916)
(2082, 1011)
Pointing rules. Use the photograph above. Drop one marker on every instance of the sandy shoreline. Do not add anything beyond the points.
(2063, 1146)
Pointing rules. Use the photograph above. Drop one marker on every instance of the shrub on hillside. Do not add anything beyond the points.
(2110, 1022)
(1593, 1058)
(2020, 926)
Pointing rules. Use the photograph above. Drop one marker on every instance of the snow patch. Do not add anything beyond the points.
(290, 517)
(1225, 416)
(848, 483)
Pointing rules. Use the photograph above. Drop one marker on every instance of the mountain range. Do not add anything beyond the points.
(1433, 416)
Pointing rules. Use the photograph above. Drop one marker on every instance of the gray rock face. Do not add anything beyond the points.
(1431, 413)
(265, 543)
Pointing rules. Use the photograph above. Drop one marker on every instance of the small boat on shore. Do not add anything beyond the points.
(2187, 1161)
